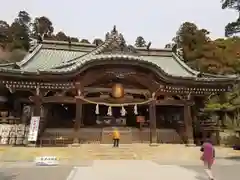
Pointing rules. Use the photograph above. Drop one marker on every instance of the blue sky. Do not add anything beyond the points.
(156, 20)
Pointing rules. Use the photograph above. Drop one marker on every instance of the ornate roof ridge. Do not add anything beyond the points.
(10, 64)
(76, 59)
(153, 49)
(100, 57)
(109, 38)
(180, 61)
(54, 42)
(29, 56)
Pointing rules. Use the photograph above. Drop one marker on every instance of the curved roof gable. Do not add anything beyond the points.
(53, 58)
(115, 46)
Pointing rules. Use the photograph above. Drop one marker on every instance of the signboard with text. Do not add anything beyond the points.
(140, 119)
(33, 129)
(46, 161)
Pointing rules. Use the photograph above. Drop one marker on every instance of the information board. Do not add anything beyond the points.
(46, 161)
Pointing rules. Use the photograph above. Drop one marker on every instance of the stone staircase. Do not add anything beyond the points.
(168, 136)
(125, 134)
(106, 152)
(128, 135)
(163, 136)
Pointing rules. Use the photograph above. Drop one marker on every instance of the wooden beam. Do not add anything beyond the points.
(24, 100)
(112, 100)
(174, 102)
(91, 77)
(131, 91)
(148, 83)
(59, 99)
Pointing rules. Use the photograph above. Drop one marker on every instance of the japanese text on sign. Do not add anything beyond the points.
(33, 129)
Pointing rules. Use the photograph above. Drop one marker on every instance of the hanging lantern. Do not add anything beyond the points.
(135, 110)
(109, 113)
(97, 109)
(117, 90)
(123, 111)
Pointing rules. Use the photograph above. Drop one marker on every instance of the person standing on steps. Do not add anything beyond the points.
(208, 157)
(116, 137)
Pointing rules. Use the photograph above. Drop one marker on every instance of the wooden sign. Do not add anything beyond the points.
(141, 119)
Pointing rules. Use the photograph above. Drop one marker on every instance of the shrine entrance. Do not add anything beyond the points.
(113, 116)
(127, 98)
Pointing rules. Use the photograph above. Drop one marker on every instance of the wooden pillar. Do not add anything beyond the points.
(37, 105)
(43, 117)
(222, 117)
(188, 124)
(78, 120)
(153, 123)
(222, 98)
(37, 102)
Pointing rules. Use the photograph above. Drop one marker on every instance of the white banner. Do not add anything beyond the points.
(33, 129)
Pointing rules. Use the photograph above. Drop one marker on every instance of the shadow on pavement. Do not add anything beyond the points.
(236, 158)
(199, 170)
(4, 176)
(200, 178)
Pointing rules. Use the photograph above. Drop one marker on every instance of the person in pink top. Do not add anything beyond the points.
(208, 157)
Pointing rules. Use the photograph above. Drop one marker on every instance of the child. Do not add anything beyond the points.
(116, 137)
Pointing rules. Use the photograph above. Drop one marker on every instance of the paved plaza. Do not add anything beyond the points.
(164, 152)
(118, 170)
(102, 162)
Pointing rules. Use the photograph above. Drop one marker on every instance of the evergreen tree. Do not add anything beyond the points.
(140, 42)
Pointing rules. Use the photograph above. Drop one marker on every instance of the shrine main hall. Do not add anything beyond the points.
(80, 91)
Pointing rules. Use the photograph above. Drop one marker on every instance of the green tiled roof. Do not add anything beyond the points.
(52, 57)
(48, 58)
(168, 64)
(50, 54)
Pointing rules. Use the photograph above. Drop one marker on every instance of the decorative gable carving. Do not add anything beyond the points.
(115, 43)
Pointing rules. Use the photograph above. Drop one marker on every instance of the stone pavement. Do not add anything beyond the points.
(135, 161)
(33, 173)
(130, 169)
(163, 152)
(119, 170)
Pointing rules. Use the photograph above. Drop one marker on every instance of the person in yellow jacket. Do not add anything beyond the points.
(116, 137)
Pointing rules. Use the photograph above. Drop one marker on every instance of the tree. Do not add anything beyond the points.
(4, 33)
(85, 41)
(233, 27)
(74, 39)
(42, 26)
(191, 40)
(23, 18)
(189, 36)
(61, 36)
(201, 53)
(97, 41)
(20, 30)
(140, 42)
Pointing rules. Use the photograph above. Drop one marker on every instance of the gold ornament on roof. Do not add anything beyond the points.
(117, 91)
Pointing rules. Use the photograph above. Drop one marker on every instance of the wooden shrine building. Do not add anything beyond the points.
(81, 90)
